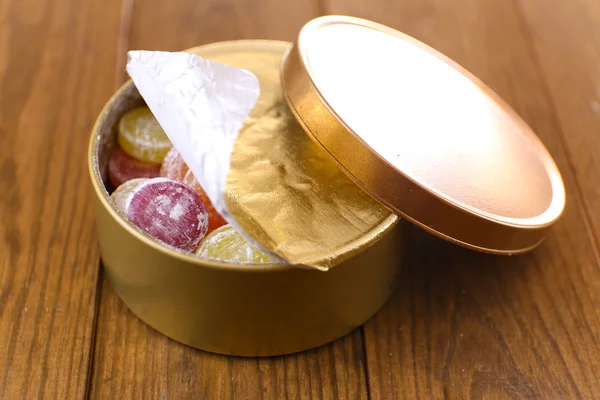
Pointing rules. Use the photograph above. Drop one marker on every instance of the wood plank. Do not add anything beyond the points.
(183, 24)
(56, 58)
(465, 325)
(134, 361)
(566, 46)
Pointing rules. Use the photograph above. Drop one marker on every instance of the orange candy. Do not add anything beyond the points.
(174, 167)
(215, 220)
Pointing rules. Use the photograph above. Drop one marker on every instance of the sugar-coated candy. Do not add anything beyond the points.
(122, 192)
(169, 211)
(123, 168)
(228, 245)
(215, 220)
(141, 136)
(173, 166)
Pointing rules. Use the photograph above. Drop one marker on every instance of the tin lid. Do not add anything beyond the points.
(422, 135)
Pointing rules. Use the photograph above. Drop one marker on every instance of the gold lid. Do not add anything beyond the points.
(422, 135)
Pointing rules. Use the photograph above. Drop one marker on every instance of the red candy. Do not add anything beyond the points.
(174, 167)
(123, 168)
(169, 211)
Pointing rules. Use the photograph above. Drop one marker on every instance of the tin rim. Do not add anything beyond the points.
(368, 239)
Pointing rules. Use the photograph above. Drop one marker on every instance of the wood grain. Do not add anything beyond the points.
(462, 324)
(566, 46)
(465, 325)
(134, 361)
(183, 24)
(55, 60)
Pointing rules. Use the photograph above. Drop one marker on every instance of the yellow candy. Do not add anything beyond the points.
(142, 137)
(228, 245)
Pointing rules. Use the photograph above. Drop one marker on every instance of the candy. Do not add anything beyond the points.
(142, 137)
(169, 211)
(120, 195)
(173, 166)
(122, 168)
(227, 244)
(215, 220)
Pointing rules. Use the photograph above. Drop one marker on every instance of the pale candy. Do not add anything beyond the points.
(227, 245)
(120, 195)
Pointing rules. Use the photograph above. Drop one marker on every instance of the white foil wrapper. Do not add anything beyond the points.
(201, 105)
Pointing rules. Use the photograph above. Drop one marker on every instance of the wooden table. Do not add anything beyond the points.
(461, 325)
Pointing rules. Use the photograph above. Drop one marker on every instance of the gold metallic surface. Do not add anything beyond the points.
(284, 190)
(246, 310)
(422, 135)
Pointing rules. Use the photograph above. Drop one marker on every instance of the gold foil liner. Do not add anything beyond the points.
(284, 191)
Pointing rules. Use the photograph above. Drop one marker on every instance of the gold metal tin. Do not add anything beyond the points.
(482, 180)
(245, 310)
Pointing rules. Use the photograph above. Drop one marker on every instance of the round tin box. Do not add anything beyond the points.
(245, 310)
(414, 130)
